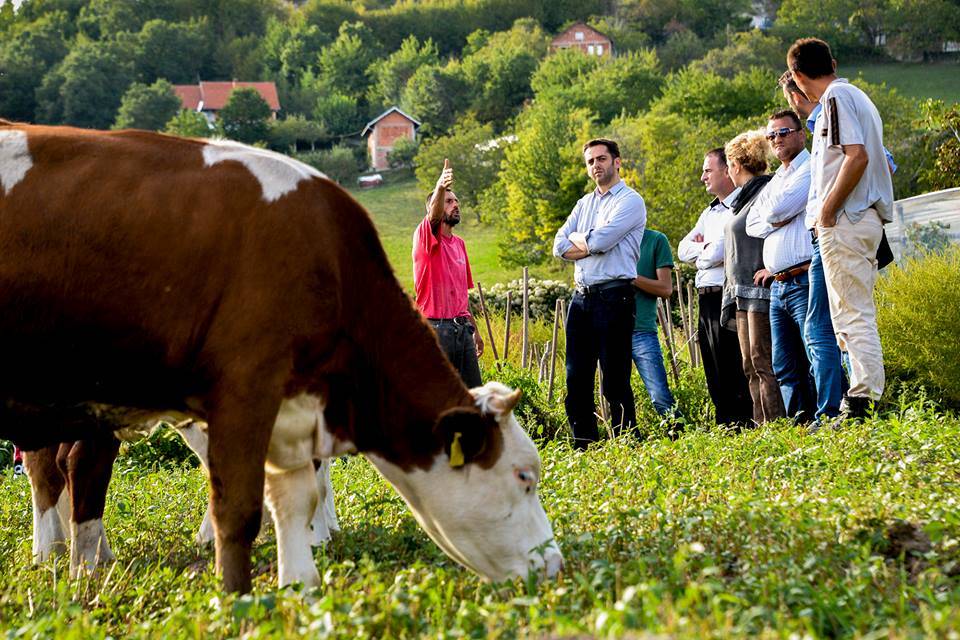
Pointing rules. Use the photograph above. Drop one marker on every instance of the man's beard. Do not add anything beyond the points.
(451, 219)
(604, 178)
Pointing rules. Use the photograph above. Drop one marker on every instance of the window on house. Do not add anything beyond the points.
(578, 36)
(599, 49)
(590, 49)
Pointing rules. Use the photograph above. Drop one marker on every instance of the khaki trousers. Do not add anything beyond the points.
(753, 330)
(849, 253)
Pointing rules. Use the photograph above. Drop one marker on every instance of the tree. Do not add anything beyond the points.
(26, 55)
(391, 75)
(244, 117)
(147, 107)
(541, 178)
(916, 28)
(286, 133)
(698, 96)
(85, 89)
(743, 50)
(432, 97)
(828, 20)
(338, 163)
(343, 63)
(177, 51)
(403, 153)
(189, 124)
(943, 142)
(476, 154)
(338, 114)
(291, 46)
(680, 48)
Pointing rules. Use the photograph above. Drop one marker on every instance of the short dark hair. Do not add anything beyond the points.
(787, 113)
(611, 146)
(811, 57)
(430, 196)
(719, 154)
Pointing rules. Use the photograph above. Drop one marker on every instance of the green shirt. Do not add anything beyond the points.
(655, 254)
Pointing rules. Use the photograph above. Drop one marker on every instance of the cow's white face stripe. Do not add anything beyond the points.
(15, 158)
(277, 174)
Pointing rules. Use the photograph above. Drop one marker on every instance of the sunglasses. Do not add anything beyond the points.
(782, 132)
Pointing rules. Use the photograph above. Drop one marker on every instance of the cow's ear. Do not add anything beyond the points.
(466, 435)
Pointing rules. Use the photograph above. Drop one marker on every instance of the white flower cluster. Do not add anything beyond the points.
(542, 296)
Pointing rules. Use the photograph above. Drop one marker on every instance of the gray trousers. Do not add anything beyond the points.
(456, 340)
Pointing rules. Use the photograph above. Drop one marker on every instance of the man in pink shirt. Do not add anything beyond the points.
(441, 274)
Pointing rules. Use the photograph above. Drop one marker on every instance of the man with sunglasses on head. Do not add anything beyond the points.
(851, 197)
(778, 217)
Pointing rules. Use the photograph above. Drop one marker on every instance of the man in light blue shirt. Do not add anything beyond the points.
(602, 237)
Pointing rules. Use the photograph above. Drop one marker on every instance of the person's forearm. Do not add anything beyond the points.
(436, 206)
(575, 253)
(653, 287)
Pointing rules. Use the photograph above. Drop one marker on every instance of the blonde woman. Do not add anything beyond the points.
(746, 297)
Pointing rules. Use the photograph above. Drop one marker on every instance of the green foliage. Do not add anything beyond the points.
(27, 53)
(541, 179)
(830, 20)
(942, 141)
(626, 36)
(743, 50)
(390, 76)
(190, 124)
(338, 113)
(919, 320)
(434, 95)
(338, 163)
(291, 46)
(245, 116)
(920, 239)
(916, 28)
(176, 51)
(162, 449)
(344, 62)
(499, 71)
(540, 417)
(660, 18)
(147, 107)
(286, 133)
(85, 89)
(403, 153)
(704, 96)
(475, 155)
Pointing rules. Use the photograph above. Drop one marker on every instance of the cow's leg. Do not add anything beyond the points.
(88, 465)
(291, 487)
(196, 438)
(47, 489)
(239, 431)
(325, 517)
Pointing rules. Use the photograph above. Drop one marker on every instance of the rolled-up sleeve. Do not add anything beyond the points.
(757, 225)
(561, 242)
(629, 214)
(788, 201)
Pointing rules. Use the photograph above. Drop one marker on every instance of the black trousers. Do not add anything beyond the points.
(723, 364)
(599, 329)
(456, 340)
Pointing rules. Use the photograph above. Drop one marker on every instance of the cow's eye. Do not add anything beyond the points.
(527, 478)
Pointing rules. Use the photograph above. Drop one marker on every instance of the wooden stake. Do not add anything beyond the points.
(486, 317)
(524, 359)
(673, 360)
(557, 312)
(694, 324)
(506, 335)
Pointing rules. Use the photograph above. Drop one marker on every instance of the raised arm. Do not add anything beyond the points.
(435, 210)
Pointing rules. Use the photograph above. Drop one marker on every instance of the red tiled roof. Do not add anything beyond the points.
(214, 95)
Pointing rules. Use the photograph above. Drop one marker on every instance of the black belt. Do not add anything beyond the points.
(813, 234)
(463, 321)
(704, 290)
(586, 290)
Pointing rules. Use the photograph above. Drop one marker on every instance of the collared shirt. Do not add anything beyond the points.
(441, 272)
(707, 254)
(613, 224)
(849, 117)
(812, 120)
(783, 199)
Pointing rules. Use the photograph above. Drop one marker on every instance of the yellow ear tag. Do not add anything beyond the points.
(456, 451)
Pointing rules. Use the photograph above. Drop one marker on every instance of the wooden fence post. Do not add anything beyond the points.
(557, 312)
(524, 358)
(663, 327)
(506, 335)
(486, 317)
(694, 327)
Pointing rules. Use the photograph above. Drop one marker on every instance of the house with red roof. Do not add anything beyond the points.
(390, 126)
(584, 37)
(209, 97)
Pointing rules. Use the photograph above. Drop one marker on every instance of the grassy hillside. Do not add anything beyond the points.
(941, 81)
(398, 208)
(770, 534)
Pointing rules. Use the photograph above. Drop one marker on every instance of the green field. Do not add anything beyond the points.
(771, 534)
(940, 81)
(398, 208)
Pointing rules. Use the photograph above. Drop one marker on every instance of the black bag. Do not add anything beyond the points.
(884, 252)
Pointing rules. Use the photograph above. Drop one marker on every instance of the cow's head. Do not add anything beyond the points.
(478, 501)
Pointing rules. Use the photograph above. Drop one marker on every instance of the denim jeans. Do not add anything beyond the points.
(821, 343)
(788, 315)
(599, 327)
(649, 360)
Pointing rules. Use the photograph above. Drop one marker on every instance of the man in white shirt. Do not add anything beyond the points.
(851, 197)
(778, 217)
(719, 346)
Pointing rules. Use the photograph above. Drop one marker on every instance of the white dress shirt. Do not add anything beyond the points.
(783, 199)
(707, 254)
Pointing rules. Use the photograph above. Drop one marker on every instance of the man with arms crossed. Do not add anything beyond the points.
(719, 346)
(851, 197)
(778, 217)
(602, 237)
(441, 274)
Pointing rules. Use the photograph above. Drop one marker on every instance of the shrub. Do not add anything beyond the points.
(542, 297)
(918, 312)
(338, 163)
(536, 414)
(403, 152)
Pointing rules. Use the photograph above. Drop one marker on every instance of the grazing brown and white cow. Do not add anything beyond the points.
(245, 290)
